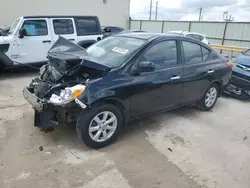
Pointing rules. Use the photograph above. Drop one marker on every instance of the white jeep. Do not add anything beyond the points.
(30, 37)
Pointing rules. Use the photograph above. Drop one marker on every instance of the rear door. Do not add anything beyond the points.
(162, 88)
(88, 28)
(200, 70)
(64, 27)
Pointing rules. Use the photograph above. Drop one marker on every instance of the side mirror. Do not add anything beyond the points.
(145, 66)
(242, 52)
(22, 33)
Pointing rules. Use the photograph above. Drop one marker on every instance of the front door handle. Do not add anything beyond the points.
(175, 78)
(46, 41)
(71, 39)
(210, 71)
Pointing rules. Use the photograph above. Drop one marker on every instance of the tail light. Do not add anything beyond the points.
(230, 64)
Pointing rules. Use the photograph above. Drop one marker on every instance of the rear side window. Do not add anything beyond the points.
(205, 53)
(63, 26)
(192, 52)
(163, 54)
(86, 26)
(35, 27)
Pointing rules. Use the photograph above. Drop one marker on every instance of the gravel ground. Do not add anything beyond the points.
(180, 149)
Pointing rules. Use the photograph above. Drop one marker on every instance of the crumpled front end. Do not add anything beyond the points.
(52, 110)
(240, 82)
(54, 93)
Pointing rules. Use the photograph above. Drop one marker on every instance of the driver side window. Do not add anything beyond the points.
(35, 27)
(162, 54)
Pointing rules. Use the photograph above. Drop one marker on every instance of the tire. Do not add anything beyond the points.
(203, 104)
(87, 119)
(1, 67)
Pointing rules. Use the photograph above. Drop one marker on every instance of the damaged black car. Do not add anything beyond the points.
(123, 77)
(240, 82)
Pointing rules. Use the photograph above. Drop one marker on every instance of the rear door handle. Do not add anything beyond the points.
(175, 78)
(46, 41)
(210, 71)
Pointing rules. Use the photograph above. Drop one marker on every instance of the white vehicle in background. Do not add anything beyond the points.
(30, 37)
(197, 36)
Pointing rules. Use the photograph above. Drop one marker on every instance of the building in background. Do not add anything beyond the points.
(110, 12)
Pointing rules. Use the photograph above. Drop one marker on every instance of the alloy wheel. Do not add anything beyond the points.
(103, 126)
(211, 97)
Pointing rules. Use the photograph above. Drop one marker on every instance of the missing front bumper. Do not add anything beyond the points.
(43, 119)
(43, 116)
(37, 103)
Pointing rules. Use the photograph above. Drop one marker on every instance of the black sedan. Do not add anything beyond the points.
(124, 77)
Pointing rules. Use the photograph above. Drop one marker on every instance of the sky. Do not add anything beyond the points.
(189, 9)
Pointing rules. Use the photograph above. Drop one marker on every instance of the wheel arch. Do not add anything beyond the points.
(116, 102)
(5, 61)
(219, 86)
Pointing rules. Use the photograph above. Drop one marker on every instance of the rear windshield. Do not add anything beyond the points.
(114, 51)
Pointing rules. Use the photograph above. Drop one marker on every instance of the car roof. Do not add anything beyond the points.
(59, 16)
(186, 32)
(149, 36)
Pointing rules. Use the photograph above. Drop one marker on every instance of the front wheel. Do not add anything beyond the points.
(209, 99)
(99, 126)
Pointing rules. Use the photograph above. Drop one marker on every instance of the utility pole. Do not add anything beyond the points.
(226, 18)
(156, 10)
(150, 9)
(200, 14)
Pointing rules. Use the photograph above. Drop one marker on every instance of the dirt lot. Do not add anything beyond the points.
(181, 149)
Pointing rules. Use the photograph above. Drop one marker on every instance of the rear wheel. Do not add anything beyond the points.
(99, 126)
(209, 99)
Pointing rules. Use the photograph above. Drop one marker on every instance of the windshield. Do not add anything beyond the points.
(13, 26)
(114, 51)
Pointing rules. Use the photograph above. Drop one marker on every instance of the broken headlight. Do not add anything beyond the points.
(67, 95)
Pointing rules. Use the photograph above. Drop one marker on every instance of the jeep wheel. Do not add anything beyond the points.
(1, 67)
(99, 126)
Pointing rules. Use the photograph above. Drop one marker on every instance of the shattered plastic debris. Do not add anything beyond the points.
(40, 148)
(55, 99)
(75, 154)
(170, 149)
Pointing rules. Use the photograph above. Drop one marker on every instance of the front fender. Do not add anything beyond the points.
(107, 95)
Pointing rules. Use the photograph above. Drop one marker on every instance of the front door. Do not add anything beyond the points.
(34, 46)
(162, 88)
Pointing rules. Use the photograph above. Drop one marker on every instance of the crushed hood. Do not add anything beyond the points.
(65, 50)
